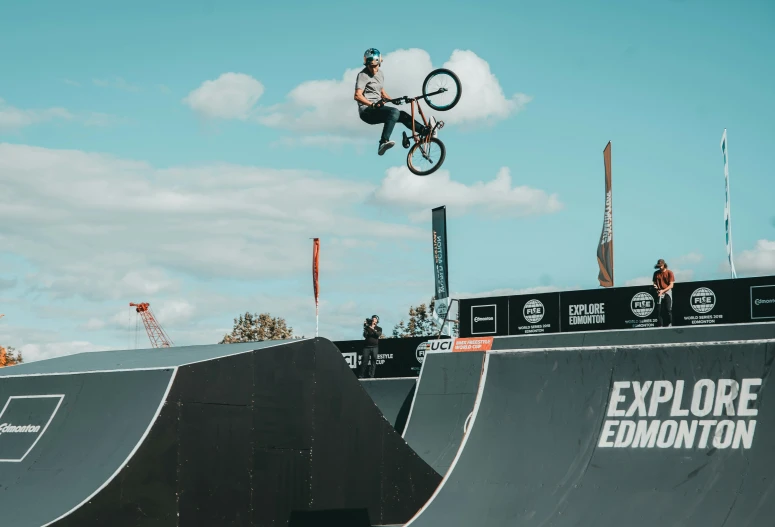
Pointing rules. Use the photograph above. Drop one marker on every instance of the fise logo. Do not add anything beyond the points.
(483, 319)
(23, 421)
(533, 311)
(642, 304)
(703, 300)
(419, 353)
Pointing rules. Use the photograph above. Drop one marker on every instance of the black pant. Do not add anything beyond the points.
(389, 116)
(665, 311)
(368, 352)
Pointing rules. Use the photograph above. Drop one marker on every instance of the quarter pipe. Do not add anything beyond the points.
(260, 434)
(662, 434)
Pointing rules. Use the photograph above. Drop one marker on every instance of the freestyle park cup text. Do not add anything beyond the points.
(719, 405)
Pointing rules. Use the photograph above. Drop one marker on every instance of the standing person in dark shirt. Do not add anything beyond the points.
(371, 332)
(664, 279)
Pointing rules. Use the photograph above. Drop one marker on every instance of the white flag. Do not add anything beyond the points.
(727, 220)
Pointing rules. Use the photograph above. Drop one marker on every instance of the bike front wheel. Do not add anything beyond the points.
(446, 80)
(426, 157)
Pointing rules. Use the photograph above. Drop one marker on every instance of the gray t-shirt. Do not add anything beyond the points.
(371, 86)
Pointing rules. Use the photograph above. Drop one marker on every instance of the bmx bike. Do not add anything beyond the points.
(441, 90)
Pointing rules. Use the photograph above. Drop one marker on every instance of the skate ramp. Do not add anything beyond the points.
(393, 397)
(202, 435)
(543, 449)
(443, 405)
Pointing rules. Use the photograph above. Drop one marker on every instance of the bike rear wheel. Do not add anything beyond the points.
(446, 79)
(426, 157)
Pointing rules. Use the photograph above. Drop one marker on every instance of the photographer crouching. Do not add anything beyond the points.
(371, 332)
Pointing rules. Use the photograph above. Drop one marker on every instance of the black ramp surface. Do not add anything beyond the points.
(96, 421)
(443, 402)
(535, 455)
(261, 438)
(393, 397)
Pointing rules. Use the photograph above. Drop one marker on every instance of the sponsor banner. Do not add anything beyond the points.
(600, 309)
(711, 302)
(396, 357)
(763, 302)
(682, 414)
(586, 310)
(472, 344)
(742, 300)
(460, 345)
(531, 314)
(484, 317)
(440, 268)
(23, 421)
(605, 247)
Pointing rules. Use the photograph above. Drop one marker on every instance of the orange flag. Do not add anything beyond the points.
(605, 249)
(316, 277)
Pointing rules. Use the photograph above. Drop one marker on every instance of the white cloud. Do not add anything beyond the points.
(104, 228)
(691, 258)
(757, 261)
(400, 188)
(327, 106)
(12, 118)
(230, 96)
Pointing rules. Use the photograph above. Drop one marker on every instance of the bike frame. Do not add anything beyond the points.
(413, 101)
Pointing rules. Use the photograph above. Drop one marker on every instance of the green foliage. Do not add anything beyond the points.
(7, 357)
(255, 328)
(420, 324)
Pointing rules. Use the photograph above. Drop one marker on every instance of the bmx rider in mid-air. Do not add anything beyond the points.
(369, 92)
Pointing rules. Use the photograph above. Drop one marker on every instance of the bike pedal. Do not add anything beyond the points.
(405, 142)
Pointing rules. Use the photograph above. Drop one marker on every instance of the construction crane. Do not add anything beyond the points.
(159, 338)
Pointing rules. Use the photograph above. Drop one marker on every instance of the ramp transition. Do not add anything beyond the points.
(393, 397)
(443, 405)
(662, 434)
(274, 433)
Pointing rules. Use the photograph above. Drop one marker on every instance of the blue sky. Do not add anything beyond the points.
(125, 176)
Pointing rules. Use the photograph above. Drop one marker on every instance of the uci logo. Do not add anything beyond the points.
(439, 345)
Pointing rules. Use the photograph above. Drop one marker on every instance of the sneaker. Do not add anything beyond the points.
(384, 147)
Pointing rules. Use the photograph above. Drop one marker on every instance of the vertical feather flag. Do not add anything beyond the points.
(316, 278)
(727, 212)
(605, 249)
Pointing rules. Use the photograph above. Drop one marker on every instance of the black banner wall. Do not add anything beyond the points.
(530, 314)
(480, 317)
(729, 301)
(711, 302)
(397, 357)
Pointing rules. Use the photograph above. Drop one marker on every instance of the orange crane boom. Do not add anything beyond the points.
(156, 334)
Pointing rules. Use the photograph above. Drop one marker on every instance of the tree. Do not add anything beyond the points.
(421, 323)
(255, 328)
(7, 357)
